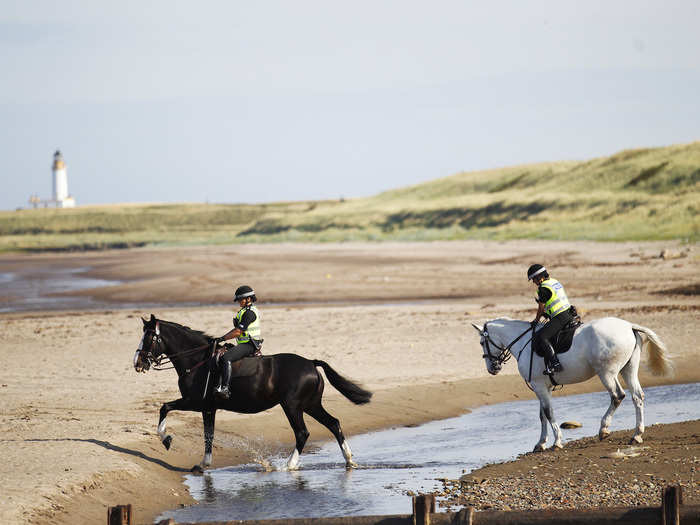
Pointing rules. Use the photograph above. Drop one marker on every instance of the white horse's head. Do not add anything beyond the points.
(493, 352)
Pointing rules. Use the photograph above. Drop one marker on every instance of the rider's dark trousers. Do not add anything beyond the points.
(239, 351)
(550, 330)
(234, 353)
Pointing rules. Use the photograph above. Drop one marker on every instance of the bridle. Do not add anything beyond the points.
(505, 353)
(159, 363)
(147, 356)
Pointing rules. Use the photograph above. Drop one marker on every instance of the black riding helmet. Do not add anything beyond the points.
(536, 270)
(245, 291)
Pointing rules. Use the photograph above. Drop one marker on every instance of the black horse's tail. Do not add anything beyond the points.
(352, 391)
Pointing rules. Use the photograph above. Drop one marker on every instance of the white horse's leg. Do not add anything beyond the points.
(540, 446)
(630, 375)
(544, 394)
(617, 394)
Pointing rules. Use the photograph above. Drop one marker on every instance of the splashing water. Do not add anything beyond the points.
(262, 453)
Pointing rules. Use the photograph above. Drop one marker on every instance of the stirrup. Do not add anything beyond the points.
(552, 369)
(222, 392)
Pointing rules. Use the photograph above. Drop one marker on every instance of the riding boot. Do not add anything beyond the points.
(551, 361)
(222, 390)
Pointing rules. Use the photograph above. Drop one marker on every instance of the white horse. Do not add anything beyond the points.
(604, 347)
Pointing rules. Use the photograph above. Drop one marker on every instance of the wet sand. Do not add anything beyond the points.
(588, 473)
(78, 424)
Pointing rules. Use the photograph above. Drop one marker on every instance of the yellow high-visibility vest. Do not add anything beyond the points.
(253, 328)
(558, 302)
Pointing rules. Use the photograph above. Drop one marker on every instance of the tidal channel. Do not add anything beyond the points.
(405, 460)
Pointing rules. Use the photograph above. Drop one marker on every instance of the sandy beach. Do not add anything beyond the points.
(78, 425)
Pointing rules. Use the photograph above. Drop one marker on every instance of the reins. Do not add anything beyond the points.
(505, 350)
(506, 353)
(164, 359)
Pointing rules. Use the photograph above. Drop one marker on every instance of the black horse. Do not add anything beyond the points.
(285, 379)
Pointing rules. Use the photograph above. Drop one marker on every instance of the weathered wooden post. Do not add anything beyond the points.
(465, 516)
(671, 501)
(119, 515)
(423, 505)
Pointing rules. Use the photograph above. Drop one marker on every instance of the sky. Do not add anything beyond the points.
(231, 101)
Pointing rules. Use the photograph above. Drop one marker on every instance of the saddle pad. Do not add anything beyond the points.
(248, 366)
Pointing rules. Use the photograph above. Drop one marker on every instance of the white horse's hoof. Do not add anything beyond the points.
(351, 465)
(636, 440)
(539, 447)
(557, 446)
(197, 469)
(603, 434)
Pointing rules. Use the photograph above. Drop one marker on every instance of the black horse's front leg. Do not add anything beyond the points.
(178, 404)
(208, 417)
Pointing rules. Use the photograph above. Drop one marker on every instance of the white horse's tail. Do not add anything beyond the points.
(660, 363)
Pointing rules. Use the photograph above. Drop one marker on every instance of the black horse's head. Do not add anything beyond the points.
(151, 345)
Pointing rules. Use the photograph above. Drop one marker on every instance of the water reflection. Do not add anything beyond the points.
(402, 460)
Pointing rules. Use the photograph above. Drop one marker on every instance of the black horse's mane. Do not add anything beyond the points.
(187, 329)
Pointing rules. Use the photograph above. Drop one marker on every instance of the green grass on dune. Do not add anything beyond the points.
(644, 194)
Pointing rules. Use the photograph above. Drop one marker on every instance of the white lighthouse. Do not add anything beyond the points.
(60, 183)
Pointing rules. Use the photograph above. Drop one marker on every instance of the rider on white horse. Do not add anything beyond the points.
(554, 304)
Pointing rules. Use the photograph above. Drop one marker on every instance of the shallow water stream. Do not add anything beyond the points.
(48, 288)
(396, 461)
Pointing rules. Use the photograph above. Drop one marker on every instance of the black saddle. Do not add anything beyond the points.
(565, 337)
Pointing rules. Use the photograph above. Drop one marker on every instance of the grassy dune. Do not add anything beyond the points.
(643, 194)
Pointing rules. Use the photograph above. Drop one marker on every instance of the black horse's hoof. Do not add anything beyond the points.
(167, 441)
(197, 469)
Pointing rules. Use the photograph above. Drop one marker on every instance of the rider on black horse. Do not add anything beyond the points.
(246, 330)
(553, 303)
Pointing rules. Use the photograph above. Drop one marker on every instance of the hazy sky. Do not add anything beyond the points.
(232, 101)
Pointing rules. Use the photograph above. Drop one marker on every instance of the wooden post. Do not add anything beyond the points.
(671, 500)
(423, 505)
(119, 515)
(465, 516)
